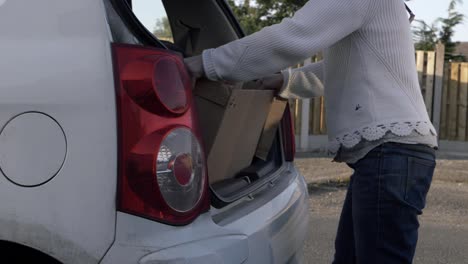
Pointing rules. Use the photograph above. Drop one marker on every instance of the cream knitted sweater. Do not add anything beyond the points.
(368, 69)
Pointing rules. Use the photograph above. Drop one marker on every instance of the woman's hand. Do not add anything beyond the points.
(272, 82)
(195, 66)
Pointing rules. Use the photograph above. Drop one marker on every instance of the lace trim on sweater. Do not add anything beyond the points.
(372, 133)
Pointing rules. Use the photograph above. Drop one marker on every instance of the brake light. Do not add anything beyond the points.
(167, 92)
(287, 128)
(162, 167)
(179, 176)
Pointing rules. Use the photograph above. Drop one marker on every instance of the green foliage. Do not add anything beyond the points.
(248, 15)
(427, 35)
(162, 29)
(255, 15)
(274, 11)
(448, 24)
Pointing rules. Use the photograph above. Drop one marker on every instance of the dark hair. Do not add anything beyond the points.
(412, 15)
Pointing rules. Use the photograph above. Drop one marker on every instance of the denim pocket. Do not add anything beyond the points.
(418, 181)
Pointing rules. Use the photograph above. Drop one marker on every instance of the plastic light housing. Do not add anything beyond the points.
(287, 128)
(162, 166)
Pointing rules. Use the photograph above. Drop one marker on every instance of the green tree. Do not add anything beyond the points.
(425, 35)
(443, 29)
(162, 29)
(448, 28)
(248, 15)
(273, 11)
(255, 15)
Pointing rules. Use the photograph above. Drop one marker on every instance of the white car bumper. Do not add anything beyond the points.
(257, 232)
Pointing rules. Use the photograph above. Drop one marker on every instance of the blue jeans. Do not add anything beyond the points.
(379, 221)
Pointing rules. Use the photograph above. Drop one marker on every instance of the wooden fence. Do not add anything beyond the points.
(444, 87)
(314, 120)
(454, 112)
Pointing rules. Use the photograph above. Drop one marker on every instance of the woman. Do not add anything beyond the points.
(376, 117)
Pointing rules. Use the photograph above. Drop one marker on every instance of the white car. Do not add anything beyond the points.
(97, 129)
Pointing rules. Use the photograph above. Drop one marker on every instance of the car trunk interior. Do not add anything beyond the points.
(200, 25)
(196, 26)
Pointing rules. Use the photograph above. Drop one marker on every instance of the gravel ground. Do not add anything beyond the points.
(444, 224)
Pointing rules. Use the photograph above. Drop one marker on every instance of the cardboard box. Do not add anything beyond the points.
(271, 124)
(231, 121)
(270, 128)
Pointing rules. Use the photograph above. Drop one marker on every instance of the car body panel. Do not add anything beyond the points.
(271, 233)
(57, 63)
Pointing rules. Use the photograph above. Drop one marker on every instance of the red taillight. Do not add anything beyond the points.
(287, 128)
(162, 167)
(157, 82)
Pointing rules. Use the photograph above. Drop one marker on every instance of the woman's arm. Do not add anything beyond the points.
(316, 26)
(299, 83)
(303, 82)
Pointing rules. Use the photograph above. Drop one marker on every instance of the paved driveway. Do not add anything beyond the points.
(444, 224)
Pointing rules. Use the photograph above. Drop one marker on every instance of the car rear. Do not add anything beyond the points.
(170, 215)
(111, 106)
(266, 227)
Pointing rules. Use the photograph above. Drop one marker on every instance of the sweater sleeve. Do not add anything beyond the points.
(316, 26)
(303, 82)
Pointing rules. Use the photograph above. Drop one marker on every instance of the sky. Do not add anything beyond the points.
(428, 10)
(148, 11)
